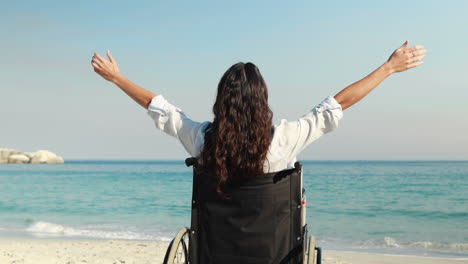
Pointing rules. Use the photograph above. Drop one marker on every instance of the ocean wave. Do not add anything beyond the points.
(45, 229)
(393, 246)
(381, 212)
(391, 242)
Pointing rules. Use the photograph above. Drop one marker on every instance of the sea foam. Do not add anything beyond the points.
(391, 242)
(45, 229)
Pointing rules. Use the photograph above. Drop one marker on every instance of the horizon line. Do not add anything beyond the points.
(145, 159)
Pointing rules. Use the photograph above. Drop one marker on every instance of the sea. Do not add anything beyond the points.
(392, 207)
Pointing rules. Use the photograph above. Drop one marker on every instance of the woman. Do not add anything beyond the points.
(241, 141)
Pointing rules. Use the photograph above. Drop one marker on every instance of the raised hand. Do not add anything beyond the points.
(405, 58)
(108, 69)
(402, 59)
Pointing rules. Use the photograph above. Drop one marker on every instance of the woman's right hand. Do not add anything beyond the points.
(402, 59)
(405, 58)
(108, 69)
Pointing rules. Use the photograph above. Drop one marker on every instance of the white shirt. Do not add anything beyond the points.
(289, 138)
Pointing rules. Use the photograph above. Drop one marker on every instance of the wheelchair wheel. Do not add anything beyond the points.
(177, 251)
(311, 251)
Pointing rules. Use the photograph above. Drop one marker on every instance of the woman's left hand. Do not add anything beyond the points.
(108, 69)
(405, 58)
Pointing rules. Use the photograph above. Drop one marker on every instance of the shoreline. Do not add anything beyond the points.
(82, 250)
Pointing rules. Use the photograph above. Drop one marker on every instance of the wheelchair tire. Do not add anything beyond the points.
(177, 251)
(311, 251)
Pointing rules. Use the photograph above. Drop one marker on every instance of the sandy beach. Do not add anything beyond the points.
(74, 251)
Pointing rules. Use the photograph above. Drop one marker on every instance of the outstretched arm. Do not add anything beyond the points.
(402, 59)
(109, 70)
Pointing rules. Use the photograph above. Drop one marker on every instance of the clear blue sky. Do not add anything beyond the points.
(51, 99)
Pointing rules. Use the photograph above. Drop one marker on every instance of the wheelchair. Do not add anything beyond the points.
(262, 221)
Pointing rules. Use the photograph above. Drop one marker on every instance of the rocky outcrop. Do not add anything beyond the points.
(5, 153)
(38, 157)
(44, 156)
(18, 158)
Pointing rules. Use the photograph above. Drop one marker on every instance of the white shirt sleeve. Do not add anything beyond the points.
(292, 137)
(174, 122)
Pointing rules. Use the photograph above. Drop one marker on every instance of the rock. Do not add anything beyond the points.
(5, 153)
(41, 156)
(44, 156)
(18, 158)
(29, 154)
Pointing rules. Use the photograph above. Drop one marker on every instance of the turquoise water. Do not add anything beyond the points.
(399, 207)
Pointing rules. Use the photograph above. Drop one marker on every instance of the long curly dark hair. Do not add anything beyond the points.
(238, 139)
